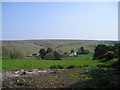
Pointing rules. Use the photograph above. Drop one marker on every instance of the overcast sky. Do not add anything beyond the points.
(60, 20)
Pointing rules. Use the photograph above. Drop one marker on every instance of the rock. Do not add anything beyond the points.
(18, 80)
(44, 71)
(20, 84)
(17, 72)
(53, 72)
(23, 73)
(39, 71)
(87, 72)
(23, 80)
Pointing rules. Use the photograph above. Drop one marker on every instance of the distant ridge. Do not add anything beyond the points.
(66, 45)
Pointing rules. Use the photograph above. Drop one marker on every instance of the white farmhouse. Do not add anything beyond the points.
(73, 54)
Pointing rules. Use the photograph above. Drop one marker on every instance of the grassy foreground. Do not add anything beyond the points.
(79, 62)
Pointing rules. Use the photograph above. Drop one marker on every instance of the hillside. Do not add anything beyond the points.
(33, 46)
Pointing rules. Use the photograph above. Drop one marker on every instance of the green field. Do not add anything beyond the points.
(80, 62)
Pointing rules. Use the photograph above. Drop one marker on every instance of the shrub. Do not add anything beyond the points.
(100, 49)
(71, 66)
(53, 67)
(103, 66)
(107, 56)
(56, 67)
(60, 66)
(79, 66)
(85, 65)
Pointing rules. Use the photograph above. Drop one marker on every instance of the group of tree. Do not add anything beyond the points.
(49, 54)
(106, 52)
(8, 54)
(81, 50)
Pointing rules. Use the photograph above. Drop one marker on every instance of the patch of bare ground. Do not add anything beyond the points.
(36, 78)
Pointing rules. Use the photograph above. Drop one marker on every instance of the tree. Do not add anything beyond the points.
(11, 55)
(49, 50)
(82, 50)
(57, 55)
(107, 56)
(87, 51)
(72, 51)
(5, 53)
(119, 54)
(16, 55)
(116, 50)
(65, 53)
(42, 53)
(49, 56)
(100, 50)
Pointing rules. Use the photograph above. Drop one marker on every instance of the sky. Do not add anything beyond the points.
(60, 20)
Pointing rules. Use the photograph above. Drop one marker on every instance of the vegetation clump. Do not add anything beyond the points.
(49, 54)
(56, 67)
(71, 66)
(81, 50)
(8, 54)
(104, 53)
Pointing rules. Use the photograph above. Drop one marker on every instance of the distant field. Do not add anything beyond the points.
(81, 62)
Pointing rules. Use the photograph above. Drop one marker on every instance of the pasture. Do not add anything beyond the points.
(79, 62)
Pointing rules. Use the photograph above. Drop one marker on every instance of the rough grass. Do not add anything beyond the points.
(80, 62)
(33, 46)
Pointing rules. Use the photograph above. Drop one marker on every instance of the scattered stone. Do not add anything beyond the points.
(23, 80)
(53, 72)
(27, 73)
(23, 73)
(17, 72)
(18, 80)
(87, 72)
(11, 83)
(20, 84)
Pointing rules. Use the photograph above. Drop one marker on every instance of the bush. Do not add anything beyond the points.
(60, 67)
(53, 67)
(71, 66)
(100, 49)
(56, 67)
(107, 56)
(79, 66)
(85, 65)
(103, 66)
